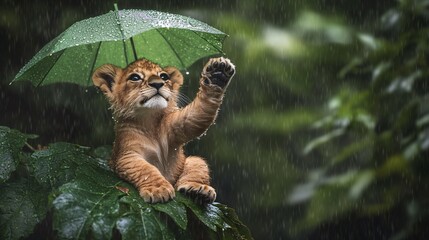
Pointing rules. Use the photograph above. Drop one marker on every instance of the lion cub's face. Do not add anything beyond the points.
(141, 85)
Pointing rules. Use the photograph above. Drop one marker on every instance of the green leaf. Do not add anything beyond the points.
(209, 214)
(11, 143)
(175, 210)
(141, 220)
(96, 202)
(23, 204)
(327, 202)
(336, 196)
(88, 206)
(142, 224)
(57, 164)
(237, 230)
(352, 149)
(323, 139)
(102, 154)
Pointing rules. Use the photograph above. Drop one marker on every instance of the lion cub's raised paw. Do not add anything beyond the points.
(201, 193)
(218, 71)
(159, 193)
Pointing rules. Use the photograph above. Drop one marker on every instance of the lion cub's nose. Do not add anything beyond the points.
(157, 85)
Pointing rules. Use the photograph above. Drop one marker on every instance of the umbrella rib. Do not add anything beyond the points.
(122, 33)
(52, 66)
(220, 50)
(134, 48)
(169, 44)
(93, 63)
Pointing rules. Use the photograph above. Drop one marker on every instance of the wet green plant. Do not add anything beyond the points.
(66, 191)
(375, 139)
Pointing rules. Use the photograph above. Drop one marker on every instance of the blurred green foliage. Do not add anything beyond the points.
(323, 133)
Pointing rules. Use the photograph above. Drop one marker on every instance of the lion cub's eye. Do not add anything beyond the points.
(164, 76)
(134, 77)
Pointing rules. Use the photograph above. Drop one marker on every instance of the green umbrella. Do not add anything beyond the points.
(121, 37)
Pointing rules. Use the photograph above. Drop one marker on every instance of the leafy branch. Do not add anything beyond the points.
(69, 190)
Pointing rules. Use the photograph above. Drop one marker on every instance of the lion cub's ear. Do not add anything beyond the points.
(176, 77)
(104, 78)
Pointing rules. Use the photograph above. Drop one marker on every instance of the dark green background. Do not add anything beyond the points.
(323, 133)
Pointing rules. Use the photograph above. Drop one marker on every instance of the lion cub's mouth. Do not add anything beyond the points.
(144, 100)
(156, 101)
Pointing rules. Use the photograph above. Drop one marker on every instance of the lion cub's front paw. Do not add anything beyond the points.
(218, 71)
(201, 193)
(160, 192)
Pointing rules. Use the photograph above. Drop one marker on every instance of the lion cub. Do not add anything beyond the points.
(151, 130)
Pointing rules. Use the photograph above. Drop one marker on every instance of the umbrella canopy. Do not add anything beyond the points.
(121, 37)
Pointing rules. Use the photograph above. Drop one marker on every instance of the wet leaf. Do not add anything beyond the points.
(11, 144)
(329, 201)
(209, 214)
(175, 210)
(23, 204)
(236, 229)
(57, 164)
(87, 206)
(142, 225)
(323, 139)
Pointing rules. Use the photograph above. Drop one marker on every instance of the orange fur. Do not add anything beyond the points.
(151, 130)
